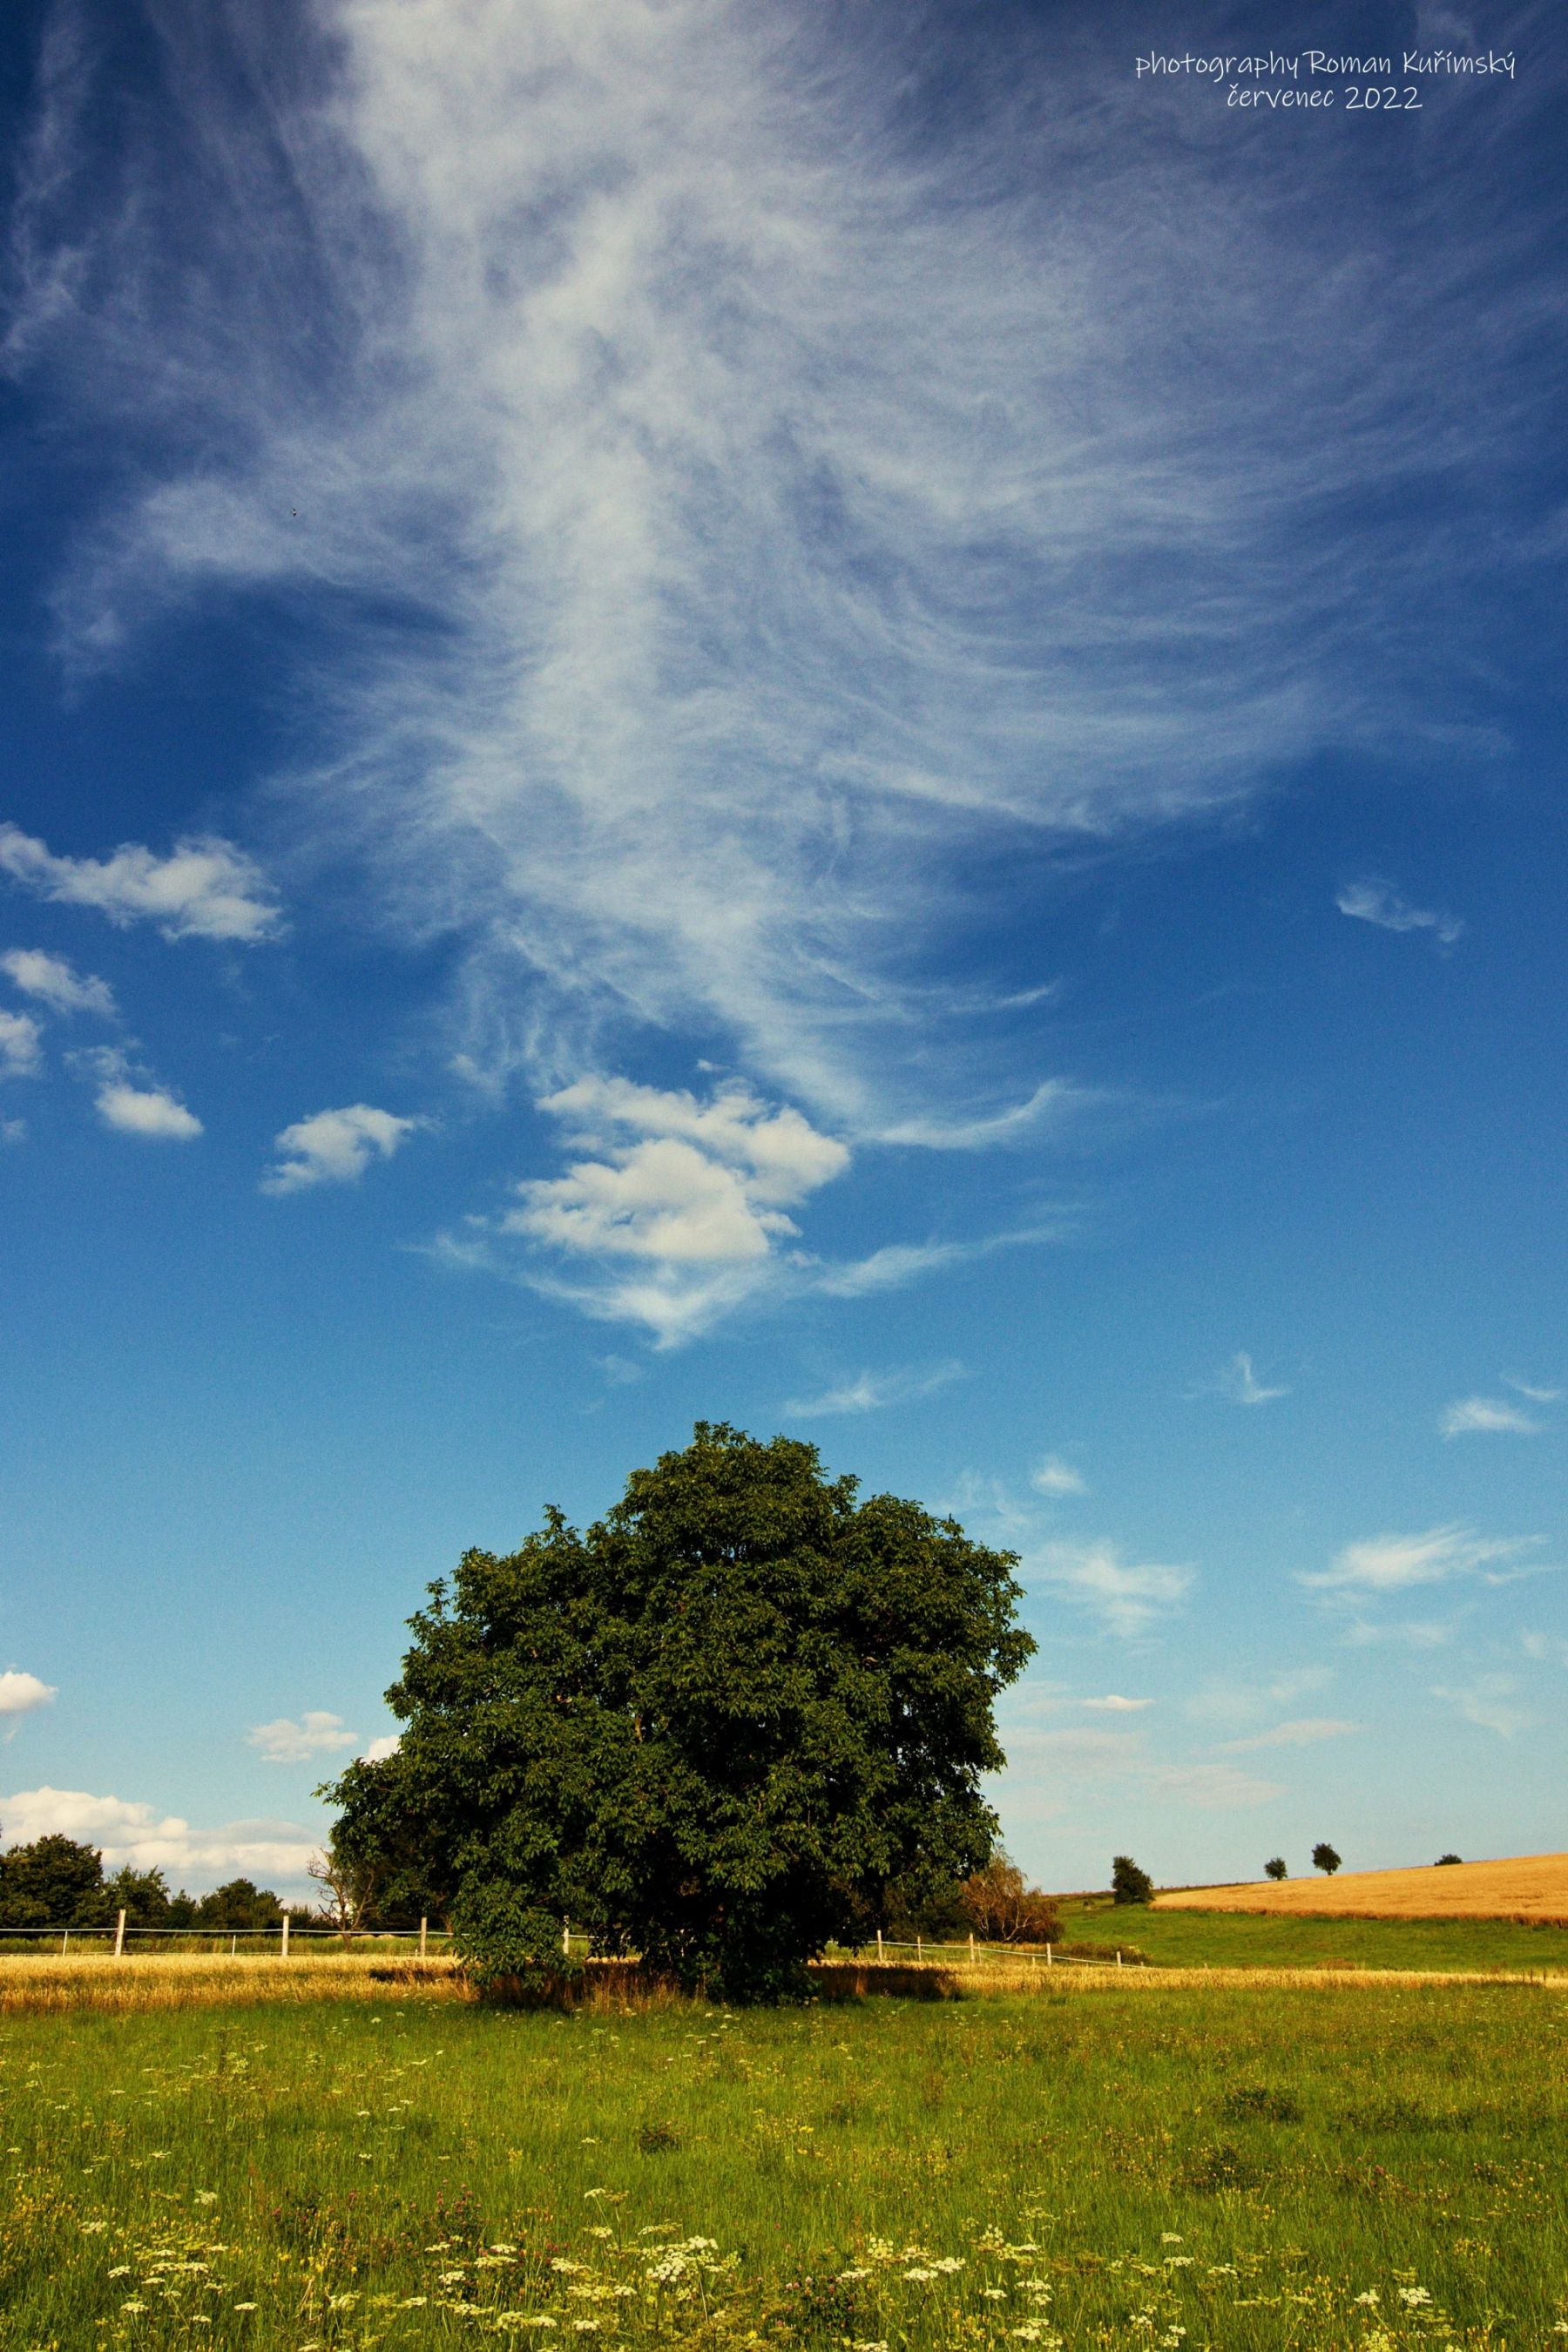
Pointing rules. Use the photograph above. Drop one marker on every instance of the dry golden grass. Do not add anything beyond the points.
(1531, 1887)
(193, 1980)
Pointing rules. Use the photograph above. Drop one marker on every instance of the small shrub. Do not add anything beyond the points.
(1445, 1859)
(510, 1951)
(1221, 2166)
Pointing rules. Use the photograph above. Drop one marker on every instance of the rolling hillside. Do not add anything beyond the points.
(1528, 1886)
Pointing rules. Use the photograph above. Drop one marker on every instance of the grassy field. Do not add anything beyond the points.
(1336, 2162)
(1245, 1939)
(1532, 1886)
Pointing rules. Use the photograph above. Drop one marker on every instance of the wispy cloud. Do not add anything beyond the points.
(286, 1741)
(1241, 1384)
(55, 982)
(735, 461)
(334, 1147)
(1215, 1788)
(1377, 902)
(898, 1264)
(1057, 1478)
(1536, 1394)
(870, 1391)
(1472, 1415)
(1127, 1596)
(1394, 1563)
(21, 1045)
(1223, 1702)
(1306, 1731)
(1488, 1701)
(205, 889)
(1114, 1704)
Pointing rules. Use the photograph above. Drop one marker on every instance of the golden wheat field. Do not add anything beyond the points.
(1532, 1886)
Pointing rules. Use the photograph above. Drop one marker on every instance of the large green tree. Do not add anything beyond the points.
(715, 1728)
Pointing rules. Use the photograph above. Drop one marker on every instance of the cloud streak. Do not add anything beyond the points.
(1378, 903)
(776, 506)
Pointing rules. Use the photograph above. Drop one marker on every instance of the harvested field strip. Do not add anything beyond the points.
(1525, 1888)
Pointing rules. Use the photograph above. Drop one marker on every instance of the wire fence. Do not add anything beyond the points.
(292, 1936)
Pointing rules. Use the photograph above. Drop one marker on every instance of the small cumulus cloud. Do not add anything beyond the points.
(54, 982)
(21, 1045)
(137, 1834)
(1474, 1415)
(206, 889)
(334, 1147)
(679, 1206)
(1306, 1731)
(1376, 902)
(12, 1131)
(20, 1694)
(1114, 1704)
(131, 1101)
(1056, 1477)
(870, 1391)
(317, 1733)
(380, 1750)
(1127, 1596)
(1393, 1563)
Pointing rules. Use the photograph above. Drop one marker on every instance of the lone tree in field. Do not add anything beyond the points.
(1325, 1859)
(713, 1728)
(1128, 1883)
(1276, 1868)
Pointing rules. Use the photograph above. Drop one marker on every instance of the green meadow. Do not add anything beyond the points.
(1343, 2163)
(1240, 1939)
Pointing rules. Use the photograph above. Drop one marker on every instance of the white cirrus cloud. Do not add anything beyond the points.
(54, 981)
(1127, 1596)
(1214, 1787)
(1488, 1701)
(205, 889)
(1056, 1477)
(288, 1741)
(695, 1193)
(1394, 1563)
(872, 1392)
(21, 1693)
(138, 1834)
(1533, 1390)
(334, 1147)
(1114, 1704)
(21, 1045)
(1305, 1731)
(793, 500)
(1472, 1416)
(1377, 902)
(1241, 1384)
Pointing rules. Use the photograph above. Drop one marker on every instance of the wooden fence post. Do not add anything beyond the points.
(1119, 1957)
(283, 1948)
(919, 1948)
(1051, 1957)
(566, 1939)
(971, 1951)
(65, 1942)
(120, 1936)
(424, 1925)
(879, 1942)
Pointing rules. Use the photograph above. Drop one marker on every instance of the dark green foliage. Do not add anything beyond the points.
(718, 1728)
(52, 1883)
(1325, 1859)
(511, 1949)
(240, 1904)
(1276, 1868)
(1443, 1859)
(1128, 1883)
(144, 1896)
(1257, 2101)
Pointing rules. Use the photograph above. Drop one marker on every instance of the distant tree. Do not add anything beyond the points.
(54, 1882)
(144, 1896)
(1325, 1859)
(715, 1728)
(1001, 1909)
(1128, 1883)
(1276, 1868)
(240, 1904)
(349, 1888)
(1443, 1859)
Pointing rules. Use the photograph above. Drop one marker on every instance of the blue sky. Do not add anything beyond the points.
(840, 719)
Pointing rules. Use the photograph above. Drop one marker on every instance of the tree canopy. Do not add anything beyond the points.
(715, 1728)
